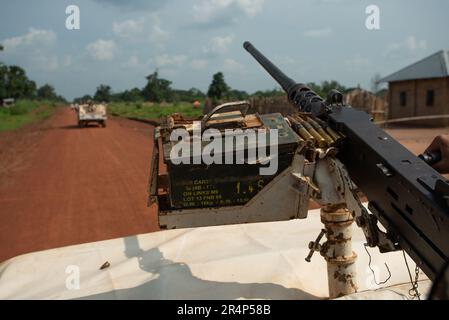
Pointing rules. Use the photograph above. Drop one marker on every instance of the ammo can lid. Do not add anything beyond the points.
(288, 140)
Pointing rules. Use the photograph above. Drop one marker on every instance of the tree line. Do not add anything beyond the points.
(160, 90)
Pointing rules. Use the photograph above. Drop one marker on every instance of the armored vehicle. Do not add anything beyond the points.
(91, 112)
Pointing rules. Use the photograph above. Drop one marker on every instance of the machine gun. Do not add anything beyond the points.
(326, 151)
(408, 197)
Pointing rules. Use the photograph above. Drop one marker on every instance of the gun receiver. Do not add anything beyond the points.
(407, 196)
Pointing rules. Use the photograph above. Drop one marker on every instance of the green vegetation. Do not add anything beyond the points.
(218, 88)
(325, 87)
(24, 112)
(158, 90)
(157, 99)
(277, 92)
(103, 93)
(31, 103)
(14, 83)
(153, 111)
(47, 92)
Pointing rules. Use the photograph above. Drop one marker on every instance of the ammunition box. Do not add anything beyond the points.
(197, 185)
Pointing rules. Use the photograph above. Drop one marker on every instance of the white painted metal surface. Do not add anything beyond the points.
(251, 261)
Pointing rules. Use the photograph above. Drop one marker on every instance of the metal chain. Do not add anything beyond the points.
(415, 283)
(413, 292)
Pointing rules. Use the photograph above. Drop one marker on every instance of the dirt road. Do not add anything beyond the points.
(61, 185)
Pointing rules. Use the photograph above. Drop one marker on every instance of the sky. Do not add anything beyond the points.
(119, 42)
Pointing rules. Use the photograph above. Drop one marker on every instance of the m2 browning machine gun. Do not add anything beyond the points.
(326, 151)
(407, 196)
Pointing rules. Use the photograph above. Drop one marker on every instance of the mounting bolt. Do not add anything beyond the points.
(315, 245)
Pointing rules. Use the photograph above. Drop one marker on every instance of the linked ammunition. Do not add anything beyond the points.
(320, 130)
(331, 132)
(299, 128)
(321, 142)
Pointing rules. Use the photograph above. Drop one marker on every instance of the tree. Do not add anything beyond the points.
(46, 92)
(190, 95)
(157, 89)
(132, 95)
(276, 92)
(326, 86)
(103, 93)
(82, 99)
(17, 84)
(218, 88)
(3, 81)
(238, 94)
(196, 94)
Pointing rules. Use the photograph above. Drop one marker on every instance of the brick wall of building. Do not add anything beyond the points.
(416, 99)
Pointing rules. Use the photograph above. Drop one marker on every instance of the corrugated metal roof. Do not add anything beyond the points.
(434, 66)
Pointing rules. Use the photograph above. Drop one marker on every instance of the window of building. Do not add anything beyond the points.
(403, 98)
(430, 98)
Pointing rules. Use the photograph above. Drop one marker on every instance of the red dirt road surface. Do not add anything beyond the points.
(61, 185)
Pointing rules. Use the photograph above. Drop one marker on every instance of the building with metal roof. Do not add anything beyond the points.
(421, 90)
(433, 66)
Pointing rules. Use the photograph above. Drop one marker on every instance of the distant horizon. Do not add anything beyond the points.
(119, 43)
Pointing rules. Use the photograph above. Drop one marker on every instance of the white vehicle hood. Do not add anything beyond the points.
(252, 261)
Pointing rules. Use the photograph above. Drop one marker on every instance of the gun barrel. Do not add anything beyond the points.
(299, 95)
(285, 82)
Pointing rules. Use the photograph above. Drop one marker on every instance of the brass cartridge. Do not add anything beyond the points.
(321, 142)
(329, 130)
(299, 128)
(320, 130)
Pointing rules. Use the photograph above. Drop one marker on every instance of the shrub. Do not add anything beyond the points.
(22, 107)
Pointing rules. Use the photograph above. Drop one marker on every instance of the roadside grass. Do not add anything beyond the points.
(144, 110)
(24, 112)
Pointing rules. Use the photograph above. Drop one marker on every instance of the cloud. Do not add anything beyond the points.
(199, 64)
(34, 38)
(129, 28)
(166, 60)
(230, 65)
(219, 12)
(157, 33)
(218, 45)
(34, 49)
(250, 7)
(134, 5)
(409, 47)
(102, 50)
(141, 29)
(318, 33)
